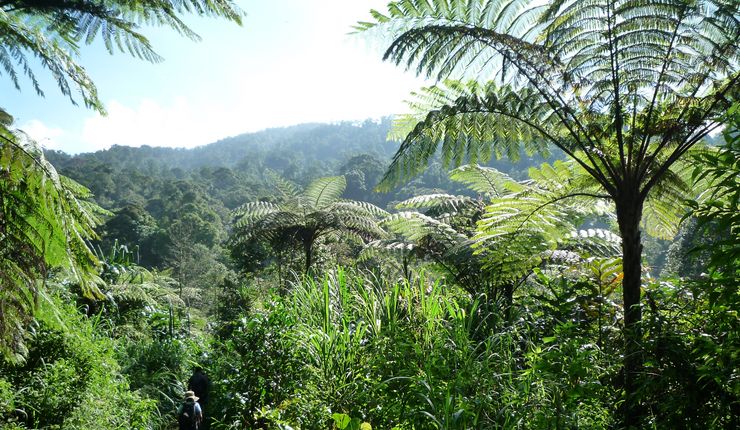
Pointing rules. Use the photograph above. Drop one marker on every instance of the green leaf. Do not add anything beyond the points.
(342, 421)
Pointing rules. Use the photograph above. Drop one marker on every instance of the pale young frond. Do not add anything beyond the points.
(439, 200)
(485, 180)
(324, 191)
(382, 247)
(358, 207)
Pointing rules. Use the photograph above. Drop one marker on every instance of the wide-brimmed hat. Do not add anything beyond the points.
(191, 395)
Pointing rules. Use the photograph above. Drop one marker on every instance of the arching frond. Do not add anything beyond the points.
(666, 206)
(443, 201)
(374, 248)
(53, 31)
(286, 188)
(469, 123)
(594, 242)
(44, 224)
(485, 180)
(324, 191)
(362, 226)
(358, 207)
(518, 228)
(252, 211)
(416, 226)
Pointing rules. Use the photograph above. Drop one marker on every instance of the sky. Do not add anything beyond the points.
(291, 62)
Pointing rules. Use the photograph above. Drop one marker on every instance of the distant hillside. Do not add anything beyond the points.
(165, 199)
(326, 143)
(231, 171)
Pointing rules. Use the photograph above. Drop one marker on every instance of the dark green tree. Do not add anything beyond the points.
(625, 88)
(301, 218)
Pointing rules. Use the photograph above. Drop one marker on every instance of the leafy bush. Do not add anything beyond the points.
(406, 355)
(70, 379)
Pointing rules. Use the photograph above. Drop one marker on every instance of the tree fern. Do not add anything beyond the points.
(301, 218)
(517, 231)
(45, 223)
(624, 87)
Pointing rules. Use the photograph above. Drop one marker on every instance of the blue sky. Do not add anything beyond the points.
(291, 62)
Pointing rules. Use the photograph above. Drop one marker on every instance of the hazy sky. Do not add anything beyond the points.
(291, 62)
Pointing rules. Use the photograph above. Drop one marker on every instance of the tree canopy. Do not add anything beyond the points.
(302, 217)
(624, 88)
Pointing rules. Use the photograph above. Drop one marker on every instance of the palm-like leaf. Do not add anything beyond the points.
(44, 223)
(52, 31)
(302, 218)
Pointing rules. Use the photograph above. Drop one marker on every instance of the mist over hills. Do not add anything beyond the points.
(313, 142)
(234, 170)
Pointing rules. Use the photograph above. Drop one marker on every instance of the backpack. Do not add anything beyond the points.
(187, 419)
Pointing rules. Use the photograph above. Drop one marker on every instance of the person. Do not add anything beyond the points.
(189, 414)
(201, 386)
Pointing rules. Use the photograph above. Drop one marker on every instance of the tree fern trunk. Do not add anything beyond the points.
(629, 213)
(508, 300)
(308, 249)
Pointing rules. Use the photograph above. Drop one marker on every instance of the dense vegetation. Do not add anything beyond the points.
(416, 331)
(568, 258)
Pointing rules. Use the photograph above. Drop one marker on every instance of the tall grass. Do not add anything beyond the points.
(416, 355)
(396, 354)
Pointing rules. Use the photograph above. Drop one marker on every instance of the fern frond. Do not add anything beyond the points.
(252, 211)
(415, 226)
(44, 224)
(324, 191)
(53, 31)
(485, 180)
(473, 123)
(287, 189)
(441, 201)
(358, 207)
(594, 242)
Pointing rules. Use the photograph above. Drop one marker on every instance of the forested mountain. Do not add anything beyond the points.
(485, 289)
(154, 190)
(231, 167)
(308, 141)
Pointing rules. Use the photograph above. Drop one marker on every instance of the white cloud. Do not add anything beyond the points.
(48, 137)
(358, 89)
(179, 123)
(282, 72)
(292, 62)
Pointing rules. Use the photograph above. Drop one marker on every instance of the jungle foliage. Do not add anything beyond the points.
(625, 88)
(451, 318)
(499, 294)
